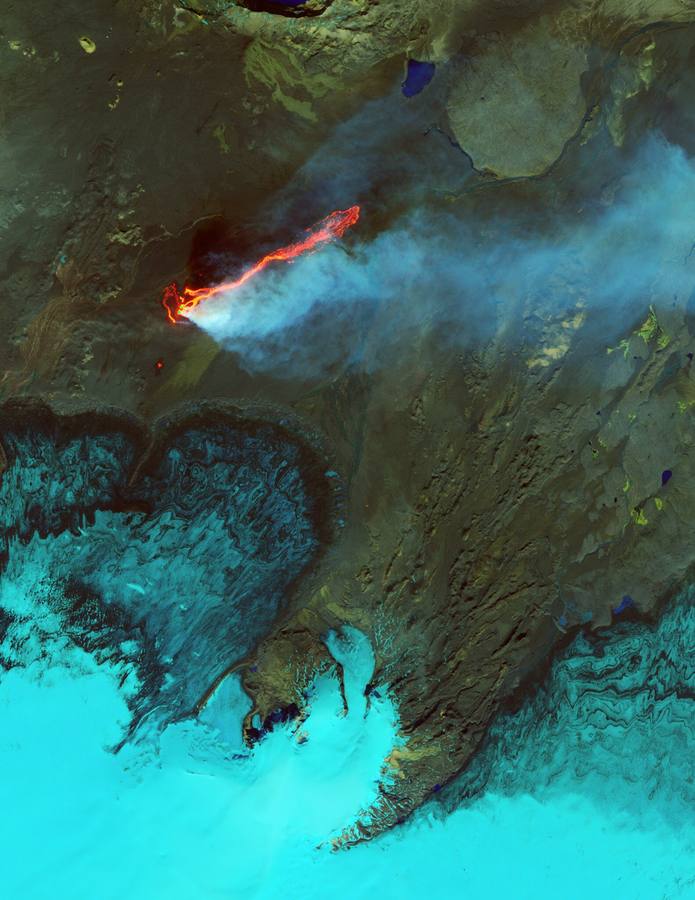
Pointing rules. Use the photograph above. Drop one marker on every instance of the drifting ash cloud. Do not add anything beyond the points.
(462, 282)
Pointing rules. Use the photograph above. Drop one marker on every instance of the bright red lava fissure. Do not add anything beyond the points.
(179, 303)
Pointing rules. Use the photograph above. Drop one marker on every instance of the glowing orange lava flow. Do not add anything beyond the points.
(179, 303)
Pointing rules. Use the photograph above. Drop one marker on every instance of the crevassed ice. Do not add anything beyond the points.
(584, 792)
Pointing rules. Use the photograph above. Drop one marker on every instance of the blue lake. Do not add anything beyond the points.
(418, 76)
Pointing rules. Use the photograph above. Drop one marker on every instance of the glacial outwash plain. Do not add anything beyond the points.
(347, 449)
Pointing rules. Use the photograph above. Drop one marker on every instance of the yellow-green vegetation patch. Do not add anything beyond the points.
(638, 517)
(624, 345)
(25, 49)
(285, 74)
(645, 64)
(685, 388)
(220, 136)
(658, 502)
(130, 235)
(631, 78)
(651, 331)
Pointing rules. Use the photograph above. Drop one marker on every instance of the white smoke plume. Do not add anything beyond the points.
(435, 272)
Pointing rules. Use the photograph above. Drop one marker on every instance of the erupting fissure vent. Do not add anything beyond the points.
(179, 303)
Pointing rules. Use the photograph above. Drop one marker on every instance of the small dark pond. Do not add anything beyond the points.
(417, 77)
